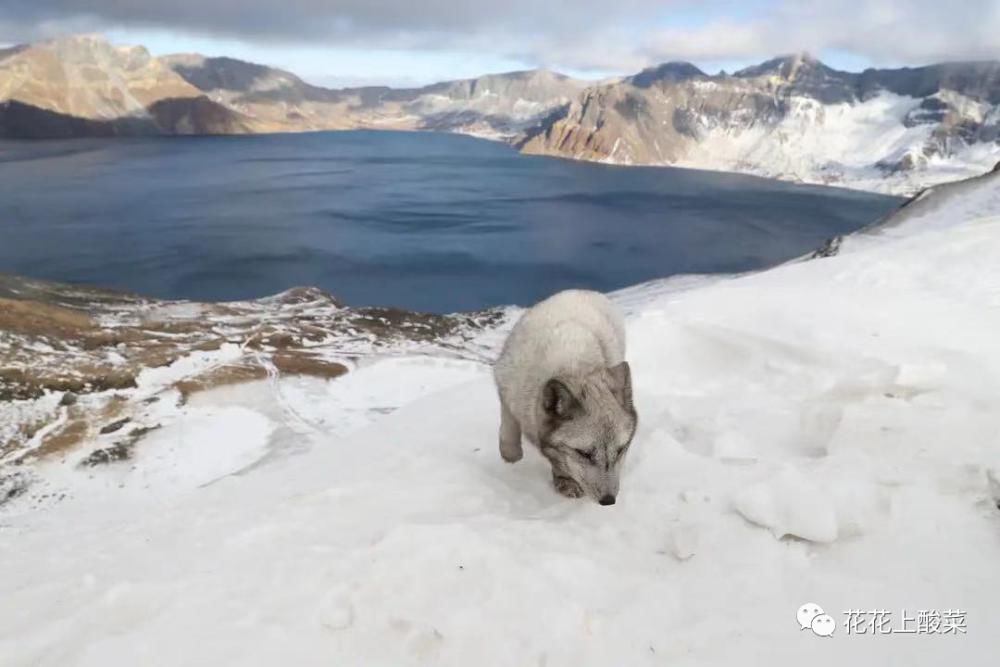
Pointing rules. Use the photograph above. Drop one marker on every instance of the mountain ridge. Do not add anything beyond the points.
(790, 117)
(83, 85)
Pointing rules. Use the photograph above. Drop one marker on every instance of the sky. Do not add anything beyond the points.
(409, 42)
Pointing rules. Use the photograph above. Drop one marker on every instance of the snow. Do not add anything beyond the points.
(15, 413)
(153, 379)
(824, 432)
(946, 205)
(842, 144)
(210, 443)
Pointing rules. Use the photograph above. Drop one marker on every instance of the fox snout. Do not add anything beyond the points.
(605, 491)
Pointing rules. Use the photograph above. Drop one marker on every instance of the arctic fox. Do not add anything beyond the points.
(565, 385)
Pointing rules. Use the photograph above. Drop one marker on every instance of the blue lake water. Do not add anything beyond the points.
(423, 221)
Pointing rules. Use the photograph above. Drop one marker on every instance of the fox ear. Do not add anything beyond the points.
(558, 401)
(621, 383)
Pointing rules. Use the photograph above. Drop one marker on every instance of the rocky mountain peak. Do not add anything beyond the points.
(209, 74)
(84, 39)
(83, 85)
(529, 76)
(540, 74)
(76, 45)
(9, 51)
(91, 48)
(790, 67)
(804, 75)
(670, 72)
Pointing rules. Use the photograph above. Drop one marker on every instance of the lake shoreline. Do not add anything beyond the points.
(427, 222)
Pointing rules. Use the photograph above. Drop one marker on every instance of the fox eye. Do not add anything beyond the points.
(588, 456)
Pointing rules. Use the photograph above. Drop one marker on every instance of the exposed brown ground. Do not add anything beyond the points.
(284, 364)
(85, 342)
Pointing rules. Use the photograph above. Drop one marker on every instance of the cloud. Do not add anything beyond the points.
(351, 20)
(881, 31)
(621, 35)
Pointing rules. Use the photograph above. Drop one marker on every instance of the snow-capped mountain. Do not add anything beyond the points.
(792, 118)
(823, 432)
(895, 130)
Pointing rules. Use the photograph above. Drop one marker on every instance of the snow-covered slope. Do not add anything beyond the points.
(825, 432)
(860, 144)
(937, 208)
(942, 207)
(794, 118)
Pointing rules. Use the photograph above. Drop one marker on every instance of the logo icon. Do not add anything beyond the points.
(811, 616)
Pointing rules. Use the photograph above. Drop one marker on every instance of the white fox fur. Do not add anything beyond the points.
(564, 385)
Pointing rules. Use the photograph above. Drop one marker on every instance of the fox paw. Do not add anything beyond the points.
(567, 487)
(511, 453)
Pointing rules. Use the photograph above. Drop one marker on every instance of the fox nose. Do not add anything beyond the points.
(607, 499)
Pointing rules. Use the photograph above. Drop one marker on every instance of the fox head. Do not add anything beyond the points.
(588, 423)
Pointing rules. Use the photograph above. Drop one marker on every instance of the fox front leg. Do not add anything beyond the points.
(510, 436)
